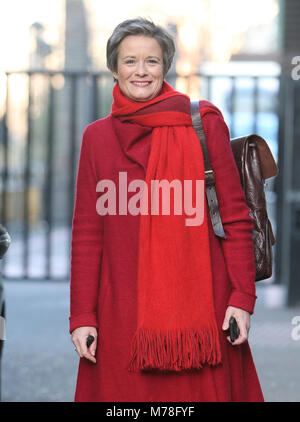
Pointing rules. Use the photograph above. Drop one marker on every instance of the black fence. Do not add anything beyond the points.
(42, 118)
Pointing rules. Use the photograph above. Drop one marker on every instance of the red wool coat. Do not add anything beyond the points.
(104, 252)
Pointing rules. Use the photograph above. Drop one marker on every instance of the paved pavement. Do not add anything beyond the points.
(40, 365)
(39, 361)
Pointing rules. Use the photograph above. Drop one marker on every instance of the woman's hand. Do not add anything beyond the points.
(243, 321)
(78, 338)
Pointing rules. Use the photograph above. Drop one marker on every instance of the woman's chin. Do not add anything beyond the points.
(142, 96)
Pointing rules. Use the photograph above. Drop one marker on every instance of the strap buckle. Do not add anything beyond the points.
(209, 178)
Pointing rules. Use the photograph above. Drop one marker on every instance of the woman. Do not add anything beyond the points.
(155, 291)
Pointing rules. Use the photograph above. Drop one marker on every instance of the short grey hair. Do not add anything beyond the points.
(140, 26)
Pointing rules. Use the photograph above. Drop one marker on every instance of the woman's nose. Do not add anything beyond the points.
(141, 69)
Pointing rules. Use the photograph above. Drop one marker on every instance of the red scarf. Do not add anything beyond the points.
(176, 324)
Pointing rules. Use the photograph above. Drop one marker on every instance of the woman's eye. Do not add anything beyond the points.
(131, 61)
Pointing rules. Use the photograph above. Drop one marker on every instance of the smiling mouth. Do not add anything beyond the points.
(142, 84)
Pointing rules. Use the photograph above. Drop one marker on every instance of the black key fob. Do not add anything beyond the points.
(234, 331)
(89, 340)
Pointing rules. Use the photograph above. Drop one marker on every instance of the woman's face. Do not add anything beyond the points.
(140, 67)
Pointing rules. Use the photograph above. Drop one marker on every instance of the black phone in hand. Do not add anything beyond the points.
(234, 331)
(89, 340)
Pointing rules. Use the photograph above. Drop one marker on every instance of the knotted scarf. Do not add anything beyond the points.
(176, 324)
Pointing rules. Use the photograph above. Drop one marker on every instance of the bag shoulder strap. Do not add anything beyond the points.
(210, 190)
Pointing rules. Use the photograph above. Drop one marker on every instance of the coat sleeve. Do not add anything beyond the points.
(238, 247)
(86, 242)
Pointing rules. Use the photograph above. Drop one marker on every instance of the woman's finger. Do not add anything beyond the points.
(93, 346)
(228, 314)
(86, 353)
(77, 347)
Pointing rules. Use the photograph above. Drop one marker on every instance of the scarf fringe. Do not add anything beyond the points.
(174, 350)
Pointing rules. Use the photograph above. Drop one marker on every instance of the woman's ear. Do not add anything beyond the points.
(115, 76)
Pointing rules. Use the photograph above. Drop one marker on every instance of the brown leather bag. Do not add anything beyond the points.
(255, 163)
